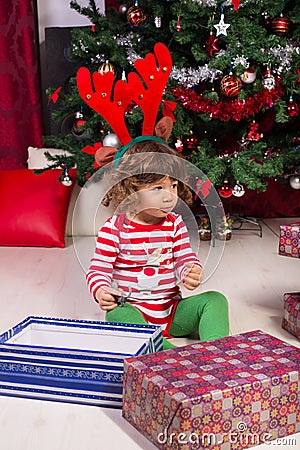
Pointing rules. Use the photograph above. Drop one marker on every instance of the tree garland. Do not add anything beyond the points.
(229, 109)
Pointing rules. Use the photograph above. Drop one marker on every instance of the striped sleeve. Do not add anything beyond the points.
(100, 271)
(182, 250)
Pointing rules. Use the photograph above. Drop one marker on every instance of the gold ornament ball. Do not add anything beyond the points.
(106, 67)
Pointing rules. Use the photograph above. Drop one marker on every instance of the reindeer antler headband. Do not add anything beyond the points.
(111, 99)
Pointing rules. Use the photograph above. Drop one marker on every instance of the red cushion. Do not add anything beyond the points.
(33, 208)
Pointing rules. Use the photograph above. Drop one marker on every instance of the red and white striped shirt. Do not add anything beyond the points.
(148, 259)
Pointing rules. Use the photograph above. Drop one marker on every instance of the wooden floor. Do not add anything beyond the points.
(50, 282)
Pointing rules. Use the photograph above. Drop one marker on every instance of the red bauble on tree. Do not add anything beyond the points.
(190, 142)
(266, 19)
(79, 122)
(225, 191)
(135, 15)
(292, 108)
(230, 85)
(281, 25)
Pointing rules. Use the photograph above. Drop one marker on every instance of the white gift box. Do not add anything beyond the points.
(75, 361)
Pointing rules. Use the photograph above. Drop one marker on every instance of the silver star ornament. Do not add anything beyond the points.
(221, 27)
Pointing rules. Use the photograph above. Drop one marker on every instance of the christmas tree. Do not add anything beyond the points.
(233, 92)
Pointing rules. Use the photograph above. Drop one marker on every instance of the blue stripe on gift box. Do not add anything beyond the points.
(27, 356)
(14, 390)
(17, 379)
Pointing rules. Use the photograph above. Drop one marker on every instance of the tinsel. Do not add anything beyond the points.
(214, 3)
(225, 110)
(188, 76)
(193, 76)
(284, 55)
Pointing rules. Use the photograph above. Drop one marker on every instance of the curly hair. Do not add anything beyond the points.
(152, 167)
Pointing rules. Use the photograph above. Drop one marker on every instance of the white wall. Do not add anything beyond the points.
(57, 13)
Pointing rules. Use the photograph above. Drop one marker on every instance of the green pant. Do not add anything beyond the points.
(206, 313)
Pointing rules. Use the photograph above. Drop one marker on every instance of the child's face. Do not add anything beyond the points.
(155, 201)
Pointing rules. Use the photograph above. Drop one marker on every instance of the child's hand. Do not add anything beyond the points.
(104, 297)
(192, 277)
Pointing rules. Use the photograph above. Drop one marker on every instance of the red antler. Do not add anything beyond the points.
(98, 97)
(111, 101)
(155, 78)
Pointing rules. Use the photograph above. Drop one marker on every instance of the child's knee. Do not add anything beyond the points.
(217, 299)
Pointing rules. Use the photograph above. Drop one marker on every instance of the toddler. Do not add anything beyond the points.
(143, 251)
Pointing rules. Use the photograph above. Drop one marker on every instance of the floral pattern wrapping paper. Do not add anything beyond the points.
(227, 394)
(291, 318)
(289, 241)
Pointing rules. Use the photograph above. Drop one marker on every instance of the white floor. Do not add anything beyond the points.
(50, 282)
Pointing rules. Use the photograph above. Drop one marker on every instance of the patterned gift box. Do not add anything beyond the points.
(289, 241)
(291, 318)
(231, 393)
(75, 361)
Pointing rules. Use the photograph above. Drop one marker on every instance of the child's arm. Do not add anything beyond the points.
(187, 265)
(99, 275)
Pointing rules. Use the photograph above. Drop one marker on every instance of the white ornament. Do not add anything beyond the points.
(249, 76)
(157, 21)
(238, 190)
(269, 81)
(66, 178)
(111, 140)
(295, 181)
(221, 27)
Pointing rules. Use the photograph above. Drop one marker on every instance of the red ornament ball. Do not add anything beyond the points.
(225, 191)
(281, 25)
(79, 123)
(266, 19)
(190, 142)
(230, 85)
(292, 108)
(136, 16)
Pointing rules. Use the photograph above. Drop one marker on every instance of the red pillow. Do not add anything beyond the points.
(33, 208)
